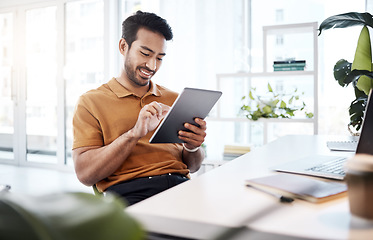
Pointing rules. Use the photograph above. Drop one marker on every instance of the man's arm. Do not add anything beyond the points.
(193, 139)
(94, 163)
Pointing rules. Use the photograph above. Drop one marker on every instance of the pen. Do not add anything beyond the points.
(278, 196)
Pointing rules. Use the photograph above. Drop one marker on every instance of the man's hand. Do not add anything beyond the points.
(196, 136)
(149, 118)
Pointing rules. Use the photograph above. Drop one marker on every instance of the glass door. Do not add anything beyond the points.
(41, 84)
(50, 53)
(6, 87)
(84, 56)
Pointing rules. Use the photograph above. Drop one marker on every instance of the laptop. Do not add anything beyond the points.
(333, 166)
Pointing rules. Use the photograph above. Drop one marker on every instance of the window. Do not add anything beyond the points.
(53, 51)
(279, 15)
(6, 95)
(41, 91)
(227, 38)
(84, 63)
(59, 54)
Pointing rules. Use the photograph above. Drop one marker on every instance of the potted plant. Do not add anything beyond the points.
(358, 73)
(273, 105)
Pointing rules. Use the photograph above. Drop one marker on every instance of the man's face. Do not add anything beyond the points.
(144, 58)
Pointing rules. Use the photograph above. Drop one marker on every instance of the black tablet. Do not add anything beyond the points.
(190, 104)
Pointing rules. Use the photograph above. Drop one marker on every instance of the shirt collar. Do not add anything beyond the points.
(121, 91)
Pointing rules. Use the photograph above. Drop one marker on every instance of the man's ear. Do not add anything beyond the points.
(123, 46)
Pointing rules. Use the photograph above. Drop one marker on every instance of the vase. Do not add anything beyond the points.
(353, 131)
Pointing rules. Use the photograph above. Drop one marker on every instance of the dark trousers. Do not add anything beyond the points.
(138, 189)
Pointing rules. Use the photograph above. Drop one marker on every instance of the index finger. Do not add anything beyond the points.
(163, 106)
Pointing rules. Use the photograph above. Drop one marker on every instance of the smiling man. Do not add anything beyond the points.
(113, 124)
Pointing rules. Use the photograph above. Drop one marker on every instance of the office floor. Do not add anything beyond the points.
(39, 181)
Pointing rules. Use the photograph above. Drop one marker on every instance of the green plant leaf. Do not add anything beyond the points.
(267, 109)
(341, 70)
(72, 216)
(365, 84)
(290, 112)
(363, 53)
(245, 108)
(360, 94)
(274, 102)
(363, 60)
(362, 80)
(347, 20)
(291, 100)
(356, 111)
(283, 104)
(251, 95)
(303, 106)
(270, 88)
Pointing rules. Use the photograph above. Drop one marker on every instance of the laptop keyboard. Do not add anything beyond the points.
(334, 166)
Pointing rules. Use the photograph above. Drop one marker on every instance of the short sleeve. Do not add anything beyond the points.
(86, 128)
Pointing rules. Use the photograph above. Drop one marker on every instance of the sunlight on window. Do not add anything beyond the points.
(84, 64)
(41, 91)
(209, 39)
(6, 103)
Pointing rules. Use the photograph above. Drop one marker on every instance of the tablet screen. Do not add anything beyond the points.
(191, 103)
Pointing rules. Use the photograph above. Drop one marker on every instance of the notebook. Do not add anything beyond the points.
(333, 166)
(293, 186)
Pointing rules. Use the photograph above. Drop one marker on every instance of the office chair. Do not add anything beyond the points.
(96, 191)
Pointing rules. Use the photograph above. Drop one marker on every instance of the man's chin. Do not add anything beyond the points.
(143, 82)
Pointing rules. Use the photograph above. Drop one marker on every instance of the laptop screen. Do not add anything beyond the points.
(365, 144)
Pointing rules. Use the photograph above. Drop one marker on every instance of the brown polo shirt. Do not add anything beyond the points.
(103, 114)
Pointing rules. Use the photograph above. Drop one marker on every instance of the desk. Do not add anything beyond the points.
(218, 200)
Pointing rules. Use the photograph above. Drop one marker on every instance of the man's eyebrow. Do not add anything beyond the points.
(148, 49)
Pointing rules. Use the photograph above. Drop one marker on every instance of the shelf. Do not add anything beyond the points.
(263, 120)
(289, 28)
(234, 85)
(266, 74)
(292, 31)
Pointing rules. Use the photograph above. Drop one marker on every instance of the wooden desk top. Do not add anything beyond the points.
(211, 203)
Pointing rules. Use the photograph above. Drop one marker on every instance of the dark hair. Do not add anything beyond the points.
(151, 21)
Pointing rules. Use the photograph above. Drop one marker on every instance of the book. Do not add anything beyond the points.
(237, 149)
(289, 65)
(231, 156)
(234, 151)
(301, 187)
(290, 62)
(288, 68)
